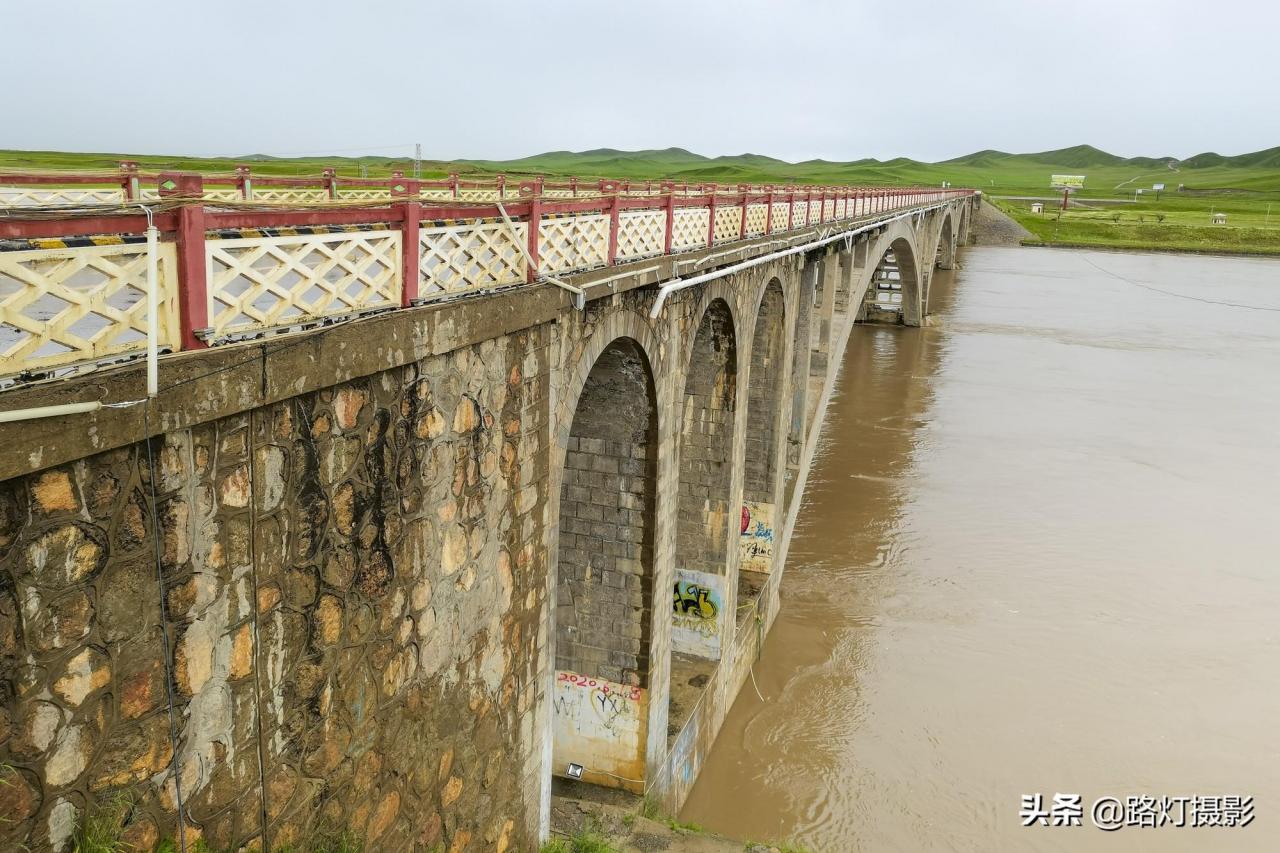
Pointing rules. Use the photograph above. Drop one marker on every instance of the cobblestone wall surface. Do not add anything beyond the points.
(351, 585)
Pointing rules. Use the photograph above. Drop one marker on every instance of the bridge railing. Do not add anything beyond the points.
(73, 284)
(129, 186)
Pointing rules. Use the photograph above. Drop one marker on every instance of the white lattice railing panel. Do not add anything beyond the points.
(23, 197)
(573, 242)
(479, 195)
(780, 209)
(757, 218)
(364, 194)
(828, 210)
(815, 211)
(560, 193)
(436, 194)
(61, 306)
(840, 208)
(291, 196)
(728, 223)
(641, 233)
(689, 229)
(798, 213)
(466, 257)
(222, 195)
(264, 282)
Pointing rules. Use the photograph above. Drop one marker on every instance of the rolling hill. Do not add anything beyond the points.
(991, 170)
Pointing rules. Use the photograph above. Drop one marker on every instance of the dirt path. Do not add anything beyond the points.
(993, 228)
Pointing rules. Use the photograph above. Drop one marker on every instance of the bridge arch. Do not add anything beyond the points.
(895, 287)
(708, 414)
(764, 430)
(604, 583)
(945, 255)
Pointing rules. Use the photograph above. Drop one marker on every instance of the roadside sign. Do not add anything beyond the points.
(1067, 182)
(1158, 187)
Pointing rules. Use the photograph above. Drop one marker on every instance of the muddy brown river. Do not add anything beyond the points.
(1039, 553)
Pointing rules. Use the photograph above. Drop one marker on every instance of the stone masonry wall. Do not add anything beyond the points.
(605, 584)
(351, 591)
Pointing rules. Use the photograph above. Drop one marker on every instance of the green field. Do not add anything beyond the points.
(1242, 186)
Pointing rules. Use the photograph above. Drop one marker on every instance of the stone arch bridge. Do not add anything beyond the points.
(394, 570)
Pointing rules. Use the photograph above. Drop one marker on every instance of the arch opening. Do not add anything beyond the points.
(944, 257)
(706, 513)
(604, 573)
(894, 292)
(760, 465)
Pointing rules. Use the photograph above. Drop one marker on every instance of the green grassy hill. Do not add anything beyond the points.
(996, 172)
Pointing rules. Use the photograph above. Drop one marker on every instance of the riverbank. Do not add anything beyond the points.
(598, 820)
(1143, 230)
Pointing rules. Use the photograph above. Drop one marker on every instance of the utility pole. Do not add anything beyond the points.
(417, 160)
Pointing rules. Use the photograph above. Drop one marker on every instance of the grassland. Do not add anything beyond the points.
(1242, 186)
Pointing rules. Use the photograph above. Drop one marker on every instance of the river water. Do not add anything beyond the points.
(1037, 554)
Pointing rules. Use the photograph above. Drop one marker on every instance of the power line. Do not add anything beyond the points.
(1180, 295)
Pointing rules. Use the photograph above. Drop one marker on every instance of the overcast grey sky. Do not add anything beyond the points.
(490, 79)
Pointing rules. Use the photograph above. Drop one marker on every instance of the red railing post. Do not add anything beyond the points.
(244, 182)
(791, 209)
(410, 247)
(573, 186)
(129, 179)
(397, 184)
(453, 184)
(502, 186)
(745, 190)
(193, 286)
(768, 214)
(615, 207)
(535, 228)
(711, 223)
(331, 181)
(671, 221)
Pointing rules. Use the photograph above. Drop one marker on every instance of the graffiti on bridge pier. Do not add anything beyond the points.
(600, 725)
(697, 603)
(756, 541)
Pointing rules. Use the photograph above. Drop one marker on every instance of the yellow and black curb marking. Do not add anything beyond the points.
(451, 223)
(294, 231)
(70, 242)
